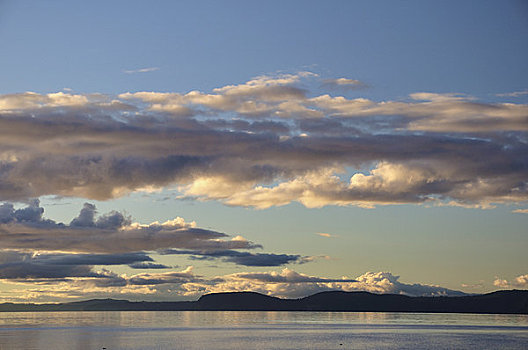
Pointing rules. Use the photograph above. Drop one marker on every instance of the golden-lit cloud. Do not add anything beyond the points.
(520, 281)
(326, 235)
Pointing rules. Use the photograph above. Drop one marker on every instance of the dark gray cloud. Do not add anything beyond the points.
(29, 271)
(239, 258)
(29, 215)
(86, 217)
(28, 241)
(91, 259)
(148, 265)
(21, 265)
(16, 265)
(26, 229)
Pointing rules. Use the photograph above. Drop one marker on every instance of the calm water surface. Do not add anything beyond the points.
(260, 330)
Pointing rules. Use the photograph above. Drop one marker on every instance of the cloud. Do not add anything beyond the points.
(326, 235)
(280, 143)
(513, 94)
(386, 282)
(291, 284)
(286, 276)
(175, 285)
(257, 97)
(113, 220)
(104, 283)
(478, 285)
(241, 258)
(519, 282)
(302, 285)
(141, 70)
(30, 214)
(26, 229)
(343, 83)
(147, 265)
(498, 282)
(434, 112)
(59, 103)
(38, 250)
(387, 183)
(162, 278)
(520, 211)
(22, 265)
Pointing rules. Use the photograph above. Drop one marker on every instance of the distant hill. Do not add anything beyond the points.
(501, 302)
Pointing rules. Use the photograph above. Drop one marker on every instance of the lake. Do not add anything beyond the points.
(260, 330)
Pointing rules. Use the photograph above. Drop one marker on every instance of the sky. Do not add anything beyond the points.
(161, 151)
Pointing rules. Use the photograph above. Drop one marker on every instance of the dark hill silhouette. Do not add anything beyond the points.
(238, 301)
(505, 302)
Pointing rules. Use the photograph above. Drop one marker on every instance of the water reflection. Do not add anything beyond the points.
(259, 330)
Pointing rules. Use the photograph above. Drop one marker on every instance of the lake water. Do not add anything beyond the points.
(260, 330)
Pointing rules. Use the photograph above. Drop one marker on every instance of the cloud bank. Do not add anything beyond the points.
(267, 142)
(187, 285)
(39, 251)
(53, 261)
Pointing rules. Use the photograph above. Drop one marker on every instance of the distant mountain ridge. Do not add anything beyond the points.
(505, 302)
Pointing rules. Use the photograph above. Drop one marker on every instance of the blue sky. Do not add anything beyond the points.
(468, 47)
(344, 140)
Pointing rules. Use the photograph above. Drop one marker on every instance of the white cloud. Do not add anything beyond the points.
(291, 284)
(141, 70)
(513, 94)
(344, 83)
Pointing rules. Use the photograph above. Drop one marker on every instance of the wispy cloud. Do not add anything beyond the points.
(326, 235)
(520, 211)
(478, 285)
(141, 70)
(240, 258)
(513, 94)
(343, 83)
